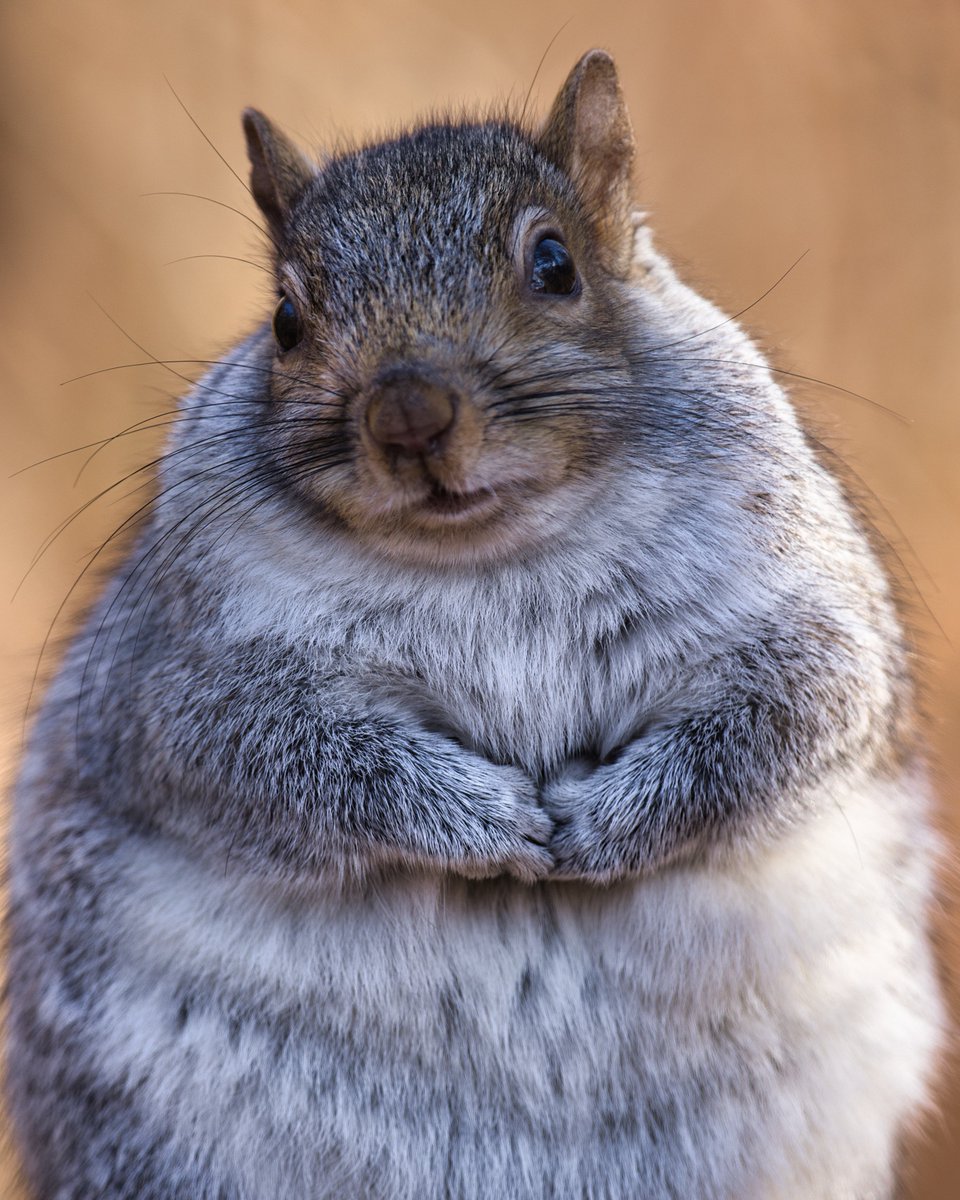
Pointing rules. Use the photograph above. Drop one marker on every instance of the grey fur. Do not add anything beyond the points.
(580, 855)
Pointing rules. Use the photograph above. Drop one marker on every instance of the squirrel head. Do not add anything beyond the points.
(453, 308)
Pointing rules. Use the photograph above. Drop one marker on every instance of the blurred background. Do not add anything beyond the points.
(767, 130)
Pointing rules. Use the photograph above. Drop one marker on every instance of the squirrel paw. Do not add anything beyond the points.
(497, 827)
(580, 845)
(520, 832)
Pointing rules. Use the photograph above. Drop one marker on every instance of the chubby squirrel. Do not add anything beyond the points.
(493, 771)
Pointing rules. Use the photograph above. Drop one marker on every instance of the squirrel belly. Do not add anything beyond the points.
(695, 1032)
(494, 769)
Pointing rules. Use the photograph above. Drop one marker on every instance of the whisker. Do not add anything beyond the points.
(139, 427)
(146, 425)
(195, 123)
(516, 368)
(575, 393)
(185, 451)
(845, 469)
(249, 487)
(228, 400)
(203, 362)
(552, 410)
(234, 489)
(221, 204)
(536, 74)
(228, 257)
(737, 315)
(834, 387)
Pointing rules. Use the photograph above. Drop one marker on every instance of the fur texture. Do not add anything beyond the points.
(540, 816)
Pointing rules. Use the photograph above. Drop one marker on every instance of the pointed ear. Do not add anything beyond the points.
(279, 172)
(588, 135)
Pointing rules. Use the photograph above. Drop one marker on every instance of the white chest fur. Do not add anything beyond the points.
(525, 665)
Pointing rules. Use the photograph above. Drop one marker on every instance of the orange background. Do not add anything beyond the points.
(765, 128)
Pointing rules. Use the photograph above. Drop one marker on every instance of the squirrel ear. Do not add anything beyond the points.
(588, 135)
(279, 172)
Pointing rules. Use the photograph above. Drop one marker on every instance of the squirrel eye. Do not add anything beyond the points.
(287, 326)
(552, 271)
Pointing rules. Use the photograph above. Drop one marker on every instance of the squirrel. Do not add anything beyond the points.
(494, 768)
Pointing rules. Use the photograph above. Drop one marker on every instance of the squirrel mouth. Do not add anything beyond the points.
(439, 502)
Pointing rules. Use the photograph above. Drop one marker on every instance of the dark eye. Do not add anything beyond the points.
(287, 326)
(552, 271)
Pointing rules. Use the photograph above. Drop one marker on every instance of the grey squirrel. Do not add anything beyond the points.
(493, 769)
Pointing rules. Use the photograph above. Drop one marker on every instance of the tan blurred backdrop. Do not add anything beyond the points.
(766, 128)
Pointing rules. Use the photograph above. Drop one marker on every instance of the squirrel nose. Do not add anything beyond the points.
(407, 411)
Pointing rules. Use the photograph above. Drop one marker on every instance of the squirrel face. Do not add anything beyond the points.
(453, 304)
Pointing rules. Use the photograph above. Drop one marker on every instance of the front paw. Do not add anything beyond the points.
(580, 845)
(498, 827)
(520, 832)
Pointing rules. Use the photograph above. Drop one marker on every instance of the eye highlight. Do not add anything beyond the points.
(552, 270)
(287, 325)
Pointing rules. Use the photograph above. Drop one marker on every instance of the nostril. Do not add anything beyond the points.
(410, 417)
